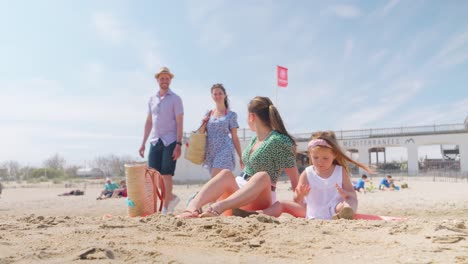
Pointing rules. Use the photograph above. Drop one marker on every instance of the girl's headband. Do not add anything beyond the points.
(318, 142)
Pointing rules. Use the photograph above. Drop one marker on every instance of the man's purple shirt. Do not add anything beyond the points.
(164, 111)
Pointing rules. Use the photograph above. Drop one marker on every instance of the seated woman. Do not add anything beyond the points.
(120, 192)
(109, 188)
(270, 151)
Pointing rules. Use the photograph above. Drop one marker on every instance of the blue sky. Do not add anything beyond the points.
(75, 76)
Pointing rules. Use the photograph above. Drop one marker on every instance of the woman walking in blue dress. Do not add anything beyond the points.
(222, 139)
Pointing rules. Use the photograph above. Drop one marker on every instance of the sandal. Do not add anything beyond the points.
(210, 212)
(190, 214)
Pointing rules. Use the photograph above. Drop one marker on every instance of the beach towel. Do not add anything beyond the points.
(377, 217)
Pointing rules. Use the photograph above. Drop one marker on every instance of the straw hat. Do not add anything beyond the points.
(164, 70)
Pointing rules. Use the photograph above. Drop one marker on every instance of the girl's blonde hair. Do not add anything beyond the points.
(341, 158)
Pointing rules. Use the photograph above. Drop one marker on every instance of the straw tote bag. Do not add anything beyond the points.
(144, 188)
(196, 145)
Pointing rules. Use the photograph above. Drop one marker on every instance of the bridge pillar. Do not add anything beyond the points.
(464, 157)
(413, 165)
(363, 158)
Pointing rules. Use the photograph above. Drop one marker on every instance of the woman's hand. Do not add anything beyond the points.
(242, 165)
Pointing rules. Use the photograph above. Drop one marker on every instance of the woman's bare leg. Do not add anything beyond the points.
(255, 195)
(289, 207)
(214, 172)
(223, 183)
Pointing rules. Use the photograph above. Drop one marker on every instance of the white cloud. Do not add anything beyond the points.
(211, 25)
(219, 26)
(41, 102)
(108, 27)
(396, 94)
(344, 11)
(214, 36)
(455, 43)
(389, 6)
(377, 56)
(200, 10)
(444, 113)
(348, 49)
(455, 59)
(43, 139)
(455, 51)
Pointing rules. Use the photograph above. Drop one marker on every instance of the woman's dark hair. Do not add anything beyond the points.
(220, 86)
(267, 112)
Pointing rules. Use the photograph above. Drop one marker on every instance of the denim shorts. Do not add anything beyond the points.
(160, 158)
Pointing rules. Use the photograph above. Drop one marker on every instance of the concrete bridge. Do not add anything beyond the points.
(364, 142)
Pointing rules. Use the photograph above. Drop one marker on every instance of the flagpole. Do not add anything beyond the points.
(276, 100)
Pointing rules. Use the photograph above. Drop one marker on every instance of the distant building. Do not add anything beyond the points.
(90, 173)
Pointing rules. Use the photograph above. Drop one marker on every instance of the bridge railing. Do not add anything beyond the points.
(400, 131)
(246, 134)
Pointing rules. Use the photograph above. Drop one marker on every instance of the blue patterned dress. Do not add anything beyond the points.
(219, 146)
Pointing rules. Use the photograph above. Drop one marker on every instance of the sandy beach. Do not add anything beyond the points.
(37, 226)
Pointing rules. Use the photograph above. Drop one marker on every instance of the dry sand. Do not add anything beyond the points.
(37, 226)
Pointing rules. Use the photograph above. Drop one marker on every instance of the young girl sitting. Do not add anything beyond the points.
(324, 190)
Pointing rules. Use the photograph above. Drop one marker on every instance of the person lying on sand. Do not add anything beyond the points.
(73, 192)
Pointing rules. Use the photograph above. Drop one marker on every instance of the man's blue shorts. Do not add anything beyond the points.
(160, 158)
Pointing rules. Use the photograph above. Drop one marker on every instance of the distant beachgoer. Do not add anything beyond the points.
(386, 184)
(359, 186)
(165, 123)
(73, 192)
(271, 151)
(325, 190)
(109, 188)
(1, 189)
(120, 192)
(393, 186)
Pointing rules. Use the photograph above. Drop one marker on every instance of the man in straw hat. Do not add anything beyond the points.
(165, 120)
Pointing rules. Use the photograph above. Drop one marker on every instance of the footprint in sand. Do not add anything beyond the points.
(452, 239)
(97, 253)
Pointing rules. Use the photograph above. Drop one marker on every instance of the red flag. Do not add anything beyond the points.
(282, 76)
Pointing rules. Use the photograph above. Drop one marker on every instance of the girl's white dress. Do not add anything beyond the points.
(323, 196)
